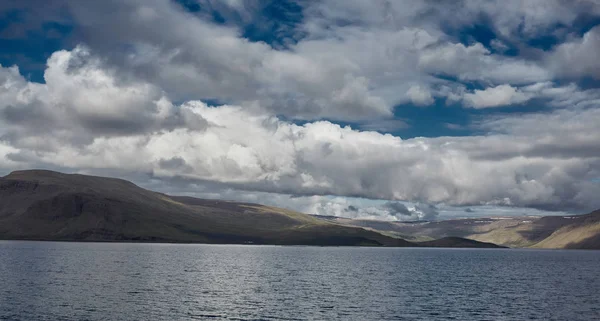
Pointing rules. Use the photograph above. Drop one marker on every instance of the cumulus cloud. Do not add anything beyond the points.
(476, 63)
(81, 101)
(522, 164)
(578, 57)
(501, 95)
(191, 58)
(510, 18)
(545, 93)
(420, 96)
(523, 20)
(325, 73)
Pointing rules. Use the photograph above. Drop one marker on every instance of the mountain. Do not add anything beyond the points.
(457, 242)
(46, 205)
(558, 232)
(570, 232)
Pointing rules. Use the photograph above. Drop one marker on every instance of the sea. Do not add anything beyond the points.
(132, 281)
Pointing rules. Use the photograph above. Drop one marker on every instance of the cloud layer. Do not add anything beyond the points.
(154, 90)
(522, 164)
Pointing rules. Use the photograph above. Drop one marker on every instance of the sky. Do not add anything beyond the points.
(392, 110)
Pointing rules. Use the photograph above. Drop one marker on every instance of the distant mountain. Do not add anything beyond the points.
(560, 232)
(457, 242)
(46, 205)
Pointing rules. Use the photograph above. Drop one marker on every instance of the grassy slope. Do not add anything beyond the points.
(570, 236)
(512, 232)
(581, 231)
(391, 229)
(507, 236)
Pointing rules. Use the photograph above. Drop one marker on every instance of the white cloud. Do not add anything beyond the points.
(346, 60)
(191, 58)
(517, 166)
(578, 57)
(498, 45)
(81, 101)
(476, 63)
(420, 96)
(502, 95)
(528, 19)
(351, 72)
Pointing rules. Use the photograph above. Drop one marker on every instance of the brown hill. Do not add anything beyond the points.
(572, 232)
(457, 242)
(46, 205)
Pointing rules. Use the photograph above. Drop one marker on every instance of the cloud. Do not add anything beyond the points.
(498, 45)
(420, 96)
(392, 211)
(502, 95)
(518, 163)
(453, 126)
(396, 208)
(546, 94)
(191, 58)
(476, 63)
(130, 99)
(577, 58)
(384, 125)
(509, 19)
(81, 101)
(325, 73)
(529, 19)
(352, 208)
(427, 211)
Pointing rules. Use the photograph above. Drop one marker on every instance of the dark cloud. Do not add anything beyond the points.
(174, 163)
(397, 208)
(429, 211)
(352, 208)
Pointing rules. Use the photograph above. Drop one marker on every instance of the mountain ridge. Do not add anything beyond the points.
(550, 232)
(47, 205)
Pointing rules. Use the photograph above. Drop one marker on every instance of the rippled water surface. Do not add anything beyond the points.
(110, 281)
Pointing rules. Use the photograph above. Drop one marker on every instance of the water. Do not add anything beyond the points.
(110, 281)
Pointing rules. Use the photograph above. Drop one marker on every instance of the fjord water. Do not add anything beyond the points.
(117, 281)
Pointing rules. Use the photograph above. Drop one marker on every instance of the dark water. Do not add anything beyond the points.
(91, 281)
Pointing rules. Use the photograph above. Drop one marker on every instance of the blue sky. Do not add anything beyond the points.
(319, 106)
